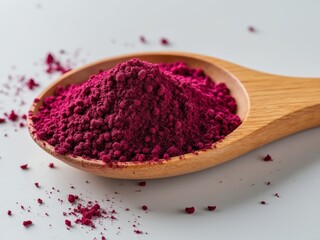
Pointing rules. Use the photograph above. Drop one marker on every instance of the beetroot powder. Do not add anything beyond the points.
(27, 223)
(212, 208)
(2, 120)
(189, 210)
(267, 158)
(67, 222)
(9, 212)
(24, 166)
(138, 112)
(51, 165)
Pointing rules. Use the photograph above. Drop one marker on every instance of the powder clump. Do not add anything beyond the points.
(138, 112)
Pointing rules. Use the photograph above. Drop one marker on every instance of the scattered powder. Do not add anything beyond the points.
(72, 198)
(67, 222)
(27, 223)
(268, 183)
(267, 158)
(252, 29)
(142, 39)
(24, 166)
(189, 210)
(164, 41)
(13, 116)
(40, 201)
(211, 208)
(277, 195)
(31, 84)
(263, 203)
(142, 184)
(144, 207)
(9, 212)
(51, 165)
(138, 231)
(54, 65)
(2, 120)
(138, 112)
(37, 184)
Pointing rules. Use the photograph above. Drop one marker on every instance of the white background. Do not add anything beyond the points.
(287, 42)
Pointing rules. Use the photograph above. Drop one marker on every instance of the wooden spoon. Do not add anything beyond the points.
(270, 107)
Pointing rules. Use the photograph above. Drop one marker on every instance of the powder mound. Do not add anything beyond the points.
(138, 112)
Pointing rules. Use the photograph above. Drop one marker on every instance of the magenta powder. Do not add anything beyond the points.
(137, 112)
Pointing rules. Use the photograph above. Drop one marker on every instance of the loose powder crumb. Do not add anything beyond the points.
(252, 29)
(72, 198)
(40, 201)
(138, 231)
(27, 223)
(67, 222)
(142, 184)
(51, 165)
(263, 203)
(164, 41)
(144, 207)
(13, 116)
(138, 112)
(142, 39)
(9, 212)
(32, 84)
(189, 210)
(267, 158)
(37, 184)
(277, 195)
(212, 208)
(2, 120)
(24, 166)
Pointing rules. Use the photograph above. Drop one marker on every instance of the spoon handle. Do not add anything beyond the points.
(279, 106)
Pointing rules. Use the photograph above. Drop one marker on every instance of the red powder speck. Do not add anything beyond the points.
(268, 183)
(37, 184)
(103, 238)
(277, 195)
(142, 184)
(24, 116)
(40, 201)
(212, 208)
(263, 202)
(9, 212)
(2, 120)
(164, 41)
(189, 210)
(24, 166)
(21, 125)
(32, 84)
(72, 198)
(27, 223)
(138, 231)
(51, 165)
(144, 207)
(252, 29)
(13, 116)
(267, 158)
(142, 39)
(67, 222)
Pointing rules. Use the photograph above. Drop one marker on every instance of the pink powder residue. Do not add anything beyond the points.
(54, 65)
(137, 112)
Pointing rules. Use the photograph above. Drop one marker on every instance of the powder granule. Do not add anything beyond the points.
(138, 112)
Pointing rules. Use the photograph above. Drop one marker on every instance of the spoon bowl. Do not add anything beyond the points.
(270, 107)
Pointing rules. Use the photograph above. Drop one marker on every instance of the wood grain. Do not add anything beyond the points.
(270, 106)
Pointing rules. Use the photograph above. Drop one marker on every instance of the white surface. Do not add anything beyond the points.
(287, 42)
